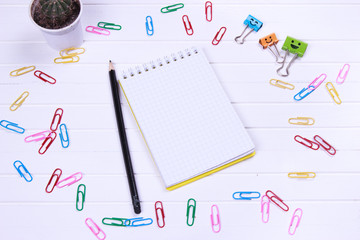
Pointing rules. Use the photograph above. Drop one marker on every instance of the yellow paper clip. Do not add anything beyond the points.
(302, 121)
(334, 94)
(19, 101)
(22, 71)
(72, 51)
(67, 59)
(302, 175)
(281, 84)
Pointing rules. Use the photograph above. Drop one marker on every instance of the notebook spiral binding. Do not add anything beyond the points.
(131, 72)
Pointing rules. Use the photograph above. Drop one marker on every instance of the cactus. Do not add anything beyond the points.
(56, 8)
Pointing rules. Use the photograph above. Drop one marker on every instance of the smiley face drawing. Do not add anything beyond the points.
(294, 46)
(268, 40)
(253, 23)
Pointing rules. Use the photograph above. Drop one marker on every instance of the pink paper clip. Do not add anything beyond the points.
(216, 40)
(298, 218)
(37, 136)
(306, 142)
(216, 226)
(265, 215)
(208, 11)
(43, 76)
(56, 174)
(97, 30)
(95, 229)
(187, 24)
(75, 178)
(325, 145)
(319, 80)
(278, 201)
(47, 142)
(341, 78)
(56, 119)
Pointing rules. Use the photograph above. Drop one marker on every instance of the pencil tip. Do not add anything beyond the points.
(111, 67)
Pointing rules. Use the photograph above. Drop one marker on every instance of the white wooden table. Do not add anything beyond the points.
(330, 201)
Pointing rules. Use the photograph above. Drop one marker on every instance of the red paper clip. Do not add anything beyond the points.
(47, 78)
(57, 116)
(208, 11)
(47, 143)
(307, 143)
(57, 175)
(161, 208)
(187, 24)
(216, 40)
(325, 145)
(275, 199)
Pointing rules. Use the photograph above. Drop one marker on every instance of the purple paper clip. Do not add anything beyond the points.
(37, 137)
(265, 204)
(342, 77)
(295, 216)
(75, 178)
(95, 229)
(216, 226)
(318, 80)
(97, 30)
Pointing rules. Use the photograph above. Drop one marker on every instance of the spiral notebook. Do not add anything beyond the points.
(188, 123)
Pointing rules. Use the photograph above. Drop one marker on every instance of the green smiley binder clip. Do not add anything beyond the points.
(295, 47)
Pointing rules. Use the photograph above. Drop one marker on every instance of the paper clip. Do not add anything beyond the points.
(298, 218)
(73, 51)
(23, 173)
(341, 78)
(334, 94)
(278, 201)
(149, 26)
(294, 46)
(95, 229)
(248, 195)
(216, 40)
(161, 223)
(187, 24)
(318, 81)
(208, 11)
(271, 41)
(12, 126)
(252, 23)
(265, 215)
(67, 59)
(110, 26)
(192, 207)
(74, 178)
(22, 71)
(65, 142)
(97, 30)
(57, 178)
(325, 145)
(215, 225)
(307, 143)
(118, 222)
(304, 93)
(43, 76)
(302, 121)
(301, 175)
(172, 8)
(138, 222)
(281, 84)
(19, 101)
(47, 142)
(80, 194)
(57, 117)
(37, 137)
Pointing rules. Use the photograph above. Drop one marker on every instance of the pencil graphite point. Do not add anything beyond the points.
(111, 67)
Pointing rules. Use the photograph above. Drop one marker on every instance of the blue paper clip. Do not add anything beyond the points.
(248, 195)
(306, 91)
(65, 142)
(252, 23)
(138, 222)
(24, 173)
(149, 28)
(12, 126)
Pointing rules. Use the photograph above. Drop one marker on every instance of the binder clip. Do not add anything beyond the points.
(252, 23)
(270, 41)
(295, 47)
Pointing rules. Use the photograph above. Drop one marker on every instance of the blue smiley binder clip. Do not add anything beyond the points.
(252, 23)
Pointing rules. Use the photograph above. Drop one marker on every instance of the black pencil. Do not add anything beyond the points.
(124, 144)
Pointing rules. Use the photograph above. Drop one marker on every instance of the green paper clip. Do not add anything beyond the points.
(172, 8)
(119, 222)
(189, 207)
(110, 26)
(82, 194)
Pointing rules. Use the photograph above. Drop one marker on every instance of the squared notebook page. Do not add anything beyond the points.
(186, 119)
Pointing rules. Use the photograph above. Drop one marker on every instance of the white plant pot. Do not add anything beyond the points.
(69, 36)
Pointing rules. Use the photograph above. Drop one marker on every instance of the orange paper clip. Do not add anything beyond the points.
(19, 101)
(56, 175)
(22, 71)
(47, 142)
(325, 145)
(67, 59)
(278, 201)
(43, 76)
(208, 11)
(217, 39)
(56, 119)
(334, 94)
(187, 24)
(306, 142)
(160, 208)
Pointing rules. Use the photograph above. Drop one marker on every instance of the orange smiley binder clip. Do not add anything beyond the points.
(269, 42)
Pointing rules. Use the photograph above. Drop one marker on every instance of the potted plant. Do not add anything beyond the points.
(59, 21)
